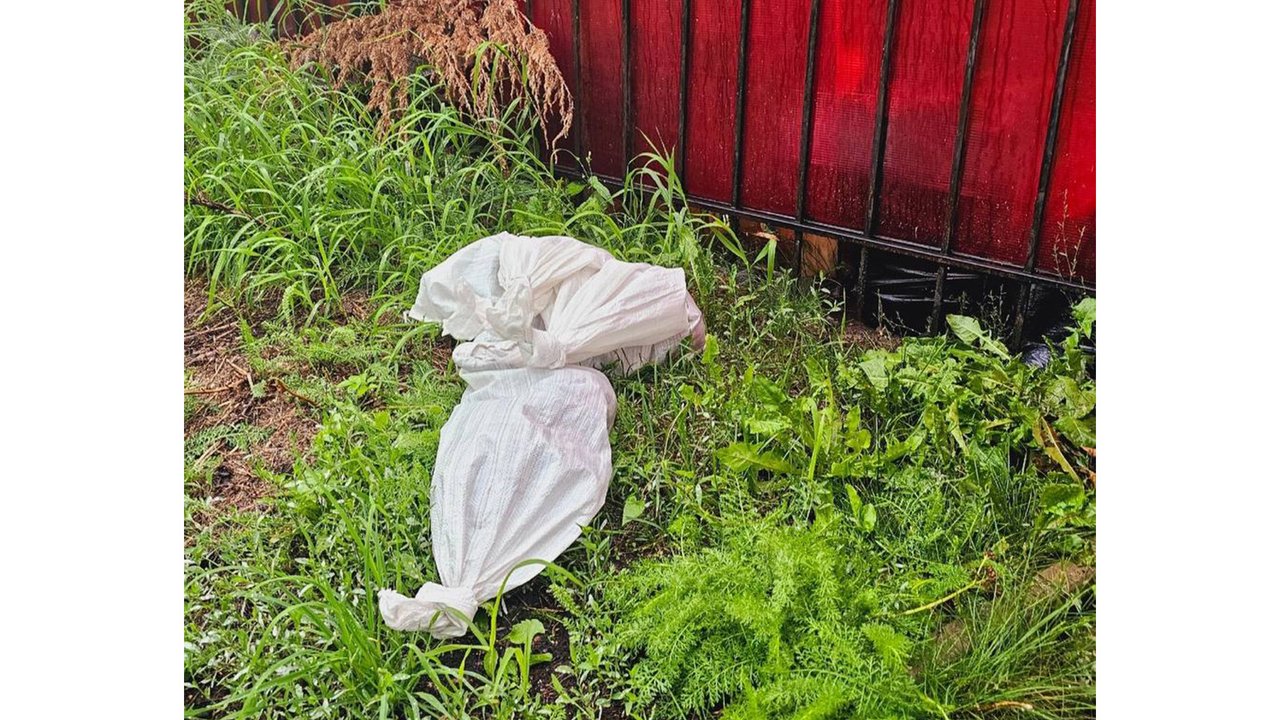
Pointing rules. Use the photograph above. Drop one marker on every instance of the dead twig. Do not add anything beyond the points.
(214, 391)
(213, 446)
(208, 331)
(300, 396)
(203, 201)
(248, 376)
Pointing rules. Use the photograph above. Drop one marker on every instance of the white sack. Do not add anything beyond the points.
(524, 460)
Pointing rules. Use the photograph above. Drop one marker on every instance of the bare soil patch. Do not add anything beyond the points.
(863, 336)
(220, 394)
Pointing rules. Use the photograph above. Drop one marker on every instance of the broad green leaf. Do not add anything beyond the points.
(742, 457)
(824, 504)
(1062, 498)
(875, 371)
(968, 329)
(766, 426)
(710, 349)
(858, 440)
(1086, 314)
(767, 393)
(905, 447)
(689, 395)
(525, 631)
(970, 332)
(867, 518)
(855, 501)
(633, 509)
(1069, 398)
(1080, 431)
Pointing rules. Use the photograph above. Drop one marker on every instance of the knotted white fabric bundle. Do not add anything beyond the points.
(524, 460)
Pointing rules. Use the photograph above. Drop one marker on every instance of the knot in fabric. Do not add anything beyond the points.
(442, 611)
(510, 315)
(545, 351)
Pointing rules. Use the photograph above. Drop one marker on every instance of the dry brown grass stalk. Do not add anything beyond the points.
(483, 53)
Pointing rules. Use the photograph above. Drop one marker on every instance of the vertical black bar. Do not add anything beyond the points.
(957, 160)
(806, 121)
(877, 146)
(626, 86)
(882, 117)
(739, 121)
(685, 53)
(1046, 165)
(1051, 137)
(806, 131)
(579, 106)
(538, 150)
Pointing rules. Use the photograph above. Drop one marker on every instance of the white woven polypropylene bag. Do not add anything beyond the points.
(524, 460)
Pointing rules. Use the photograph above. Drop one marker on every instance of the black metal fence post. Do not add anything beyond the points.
(626, 86)
(806, 131)
(877, 150)
(579, 106)
(685, 24)
(1046, 168)
(957, 161)
(739, 120)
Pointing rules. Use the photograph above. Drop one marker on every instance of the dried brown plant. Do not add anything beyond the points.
(483, 53)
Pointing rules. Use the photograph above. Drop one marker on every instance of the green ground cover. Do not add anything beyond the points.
(798, 525)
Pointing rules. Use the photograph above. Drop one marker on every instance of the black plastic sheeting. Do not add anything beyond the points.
(900, 296)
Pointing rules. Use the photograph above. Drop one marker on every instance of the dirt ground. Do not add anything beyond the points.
(221, 392)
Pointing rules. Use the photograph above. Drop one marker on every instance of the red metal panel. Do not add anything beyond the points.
(931, 43)
(600, 108)
(1012, 92)
(1068, 239)
(778, 35)
(554, 17)
(848, 67)
(713, 81)
(655, 75)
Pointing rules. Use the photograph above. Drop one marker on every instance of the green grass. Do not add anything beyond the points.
(793, 520)
(291, 192)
